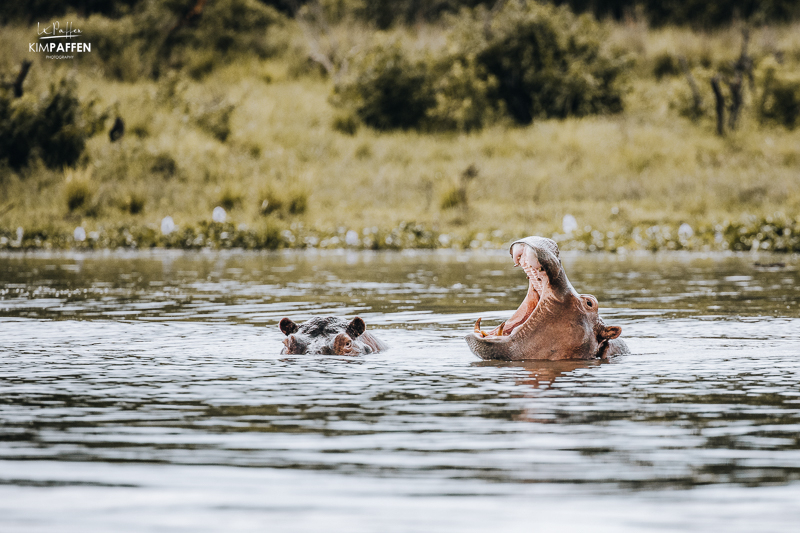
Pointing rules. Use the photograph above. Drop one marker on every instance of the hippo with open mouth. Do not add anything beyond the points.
(553, 322)
(329, 336)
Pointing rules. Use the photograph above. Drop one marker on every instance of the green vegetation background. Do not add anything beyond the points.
(392, 124)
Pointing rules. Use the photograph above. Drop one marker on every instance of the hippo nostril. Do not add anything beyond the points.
(291, 344)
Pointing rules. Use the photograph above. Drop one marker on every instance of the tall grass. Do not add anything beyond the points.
(645, 166)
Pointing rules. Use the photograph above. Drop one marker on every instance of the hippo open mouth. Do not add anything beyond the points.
(553, 321)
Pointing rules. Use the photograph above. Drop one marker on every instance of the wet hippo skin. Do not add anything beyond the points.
(553, 322)
(329, 336)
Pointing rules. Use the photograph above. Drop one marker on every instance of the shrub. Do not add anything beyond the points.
(133, 203)
(463, 92)
(454, 197)
(164, 164)
(346, 123)
(54, 126)
(270, 202)
(682, 99)
(298, 202)
(388, 89)
(457, 195)
(699, 13)
(78, 193)
(529, 60)
(293, 202)
(547, 61)
(230, 197)
(158, 36)
(665, 64)
(780, 95)
(215, 118)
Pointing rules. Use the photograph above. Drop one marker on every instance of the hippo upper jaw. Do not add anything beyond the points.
(553, 322)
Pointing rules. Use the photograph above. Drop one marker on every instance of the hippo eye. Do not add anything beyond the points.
(589, 303)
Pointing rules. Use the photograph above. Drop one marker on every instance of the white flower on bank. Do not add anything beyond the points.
(167, 225)
(569, 224)
(351, 238)
(219, 215)
(79, 234)
(685, 231)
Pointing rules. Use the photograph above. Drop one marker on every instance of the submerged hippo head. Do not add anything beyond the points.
(328, 336)
(554, 321)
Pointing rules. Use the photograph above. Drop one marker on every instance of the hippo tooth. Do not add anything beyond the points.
(500, 329)
(478, 328)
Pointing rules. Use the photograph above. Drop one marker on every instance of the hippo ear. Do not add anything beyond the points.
(288, 327)
(356, 327)
(610, 332)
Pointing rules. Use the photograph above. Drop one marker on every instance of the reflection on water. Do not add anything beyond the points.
(136, 387)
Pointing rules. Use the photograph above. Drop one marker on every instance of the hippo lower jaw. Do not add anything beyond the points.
(504, 341)
(553, 322)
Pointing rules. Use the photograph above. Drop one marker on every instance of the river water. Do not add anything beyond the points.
(146, 392)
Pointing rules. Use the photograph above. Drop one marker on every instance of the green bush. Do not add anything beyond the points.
(270, 202)
(132, 203)
(214, 117)
(698, 13)
(164, 164)
(33, 10)
(388, 89)
(78, 194)
(292, 202)
(230, 197)
(454, 197)
(158, 36)
(528, 60)
(53, 126)
(547, 61)
(298, 202)
(464, 93)
(780, 95)
(665, 64)
(127, 48)
(345, 123)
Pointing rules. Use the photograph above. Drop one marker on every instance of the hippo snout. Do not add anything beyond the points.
(294, 345)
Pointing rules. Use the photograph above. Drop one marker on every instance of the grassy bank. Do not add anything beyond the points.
(256, 137)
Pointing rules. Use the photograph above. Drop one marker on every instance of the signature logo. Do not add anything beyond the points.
(50, 43)
(55, 31)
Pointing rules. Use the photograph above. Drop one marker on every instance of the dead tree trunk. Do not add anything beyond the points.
(23, 73)
(744, 65)
(736, 101)
(697, 108)
(720, 105)
(323, 47)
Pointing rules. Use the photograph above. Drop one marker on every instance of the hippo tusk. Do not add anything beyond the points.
(500, 329)
(478, 328)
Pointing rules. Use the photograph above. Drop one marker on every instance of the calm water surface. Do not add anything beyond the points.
(144, 393)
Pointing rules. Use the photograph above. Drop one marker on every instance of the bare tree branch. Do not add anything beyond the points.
(23, 73)
(697, 108)
(720, 105)
(322, 44)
